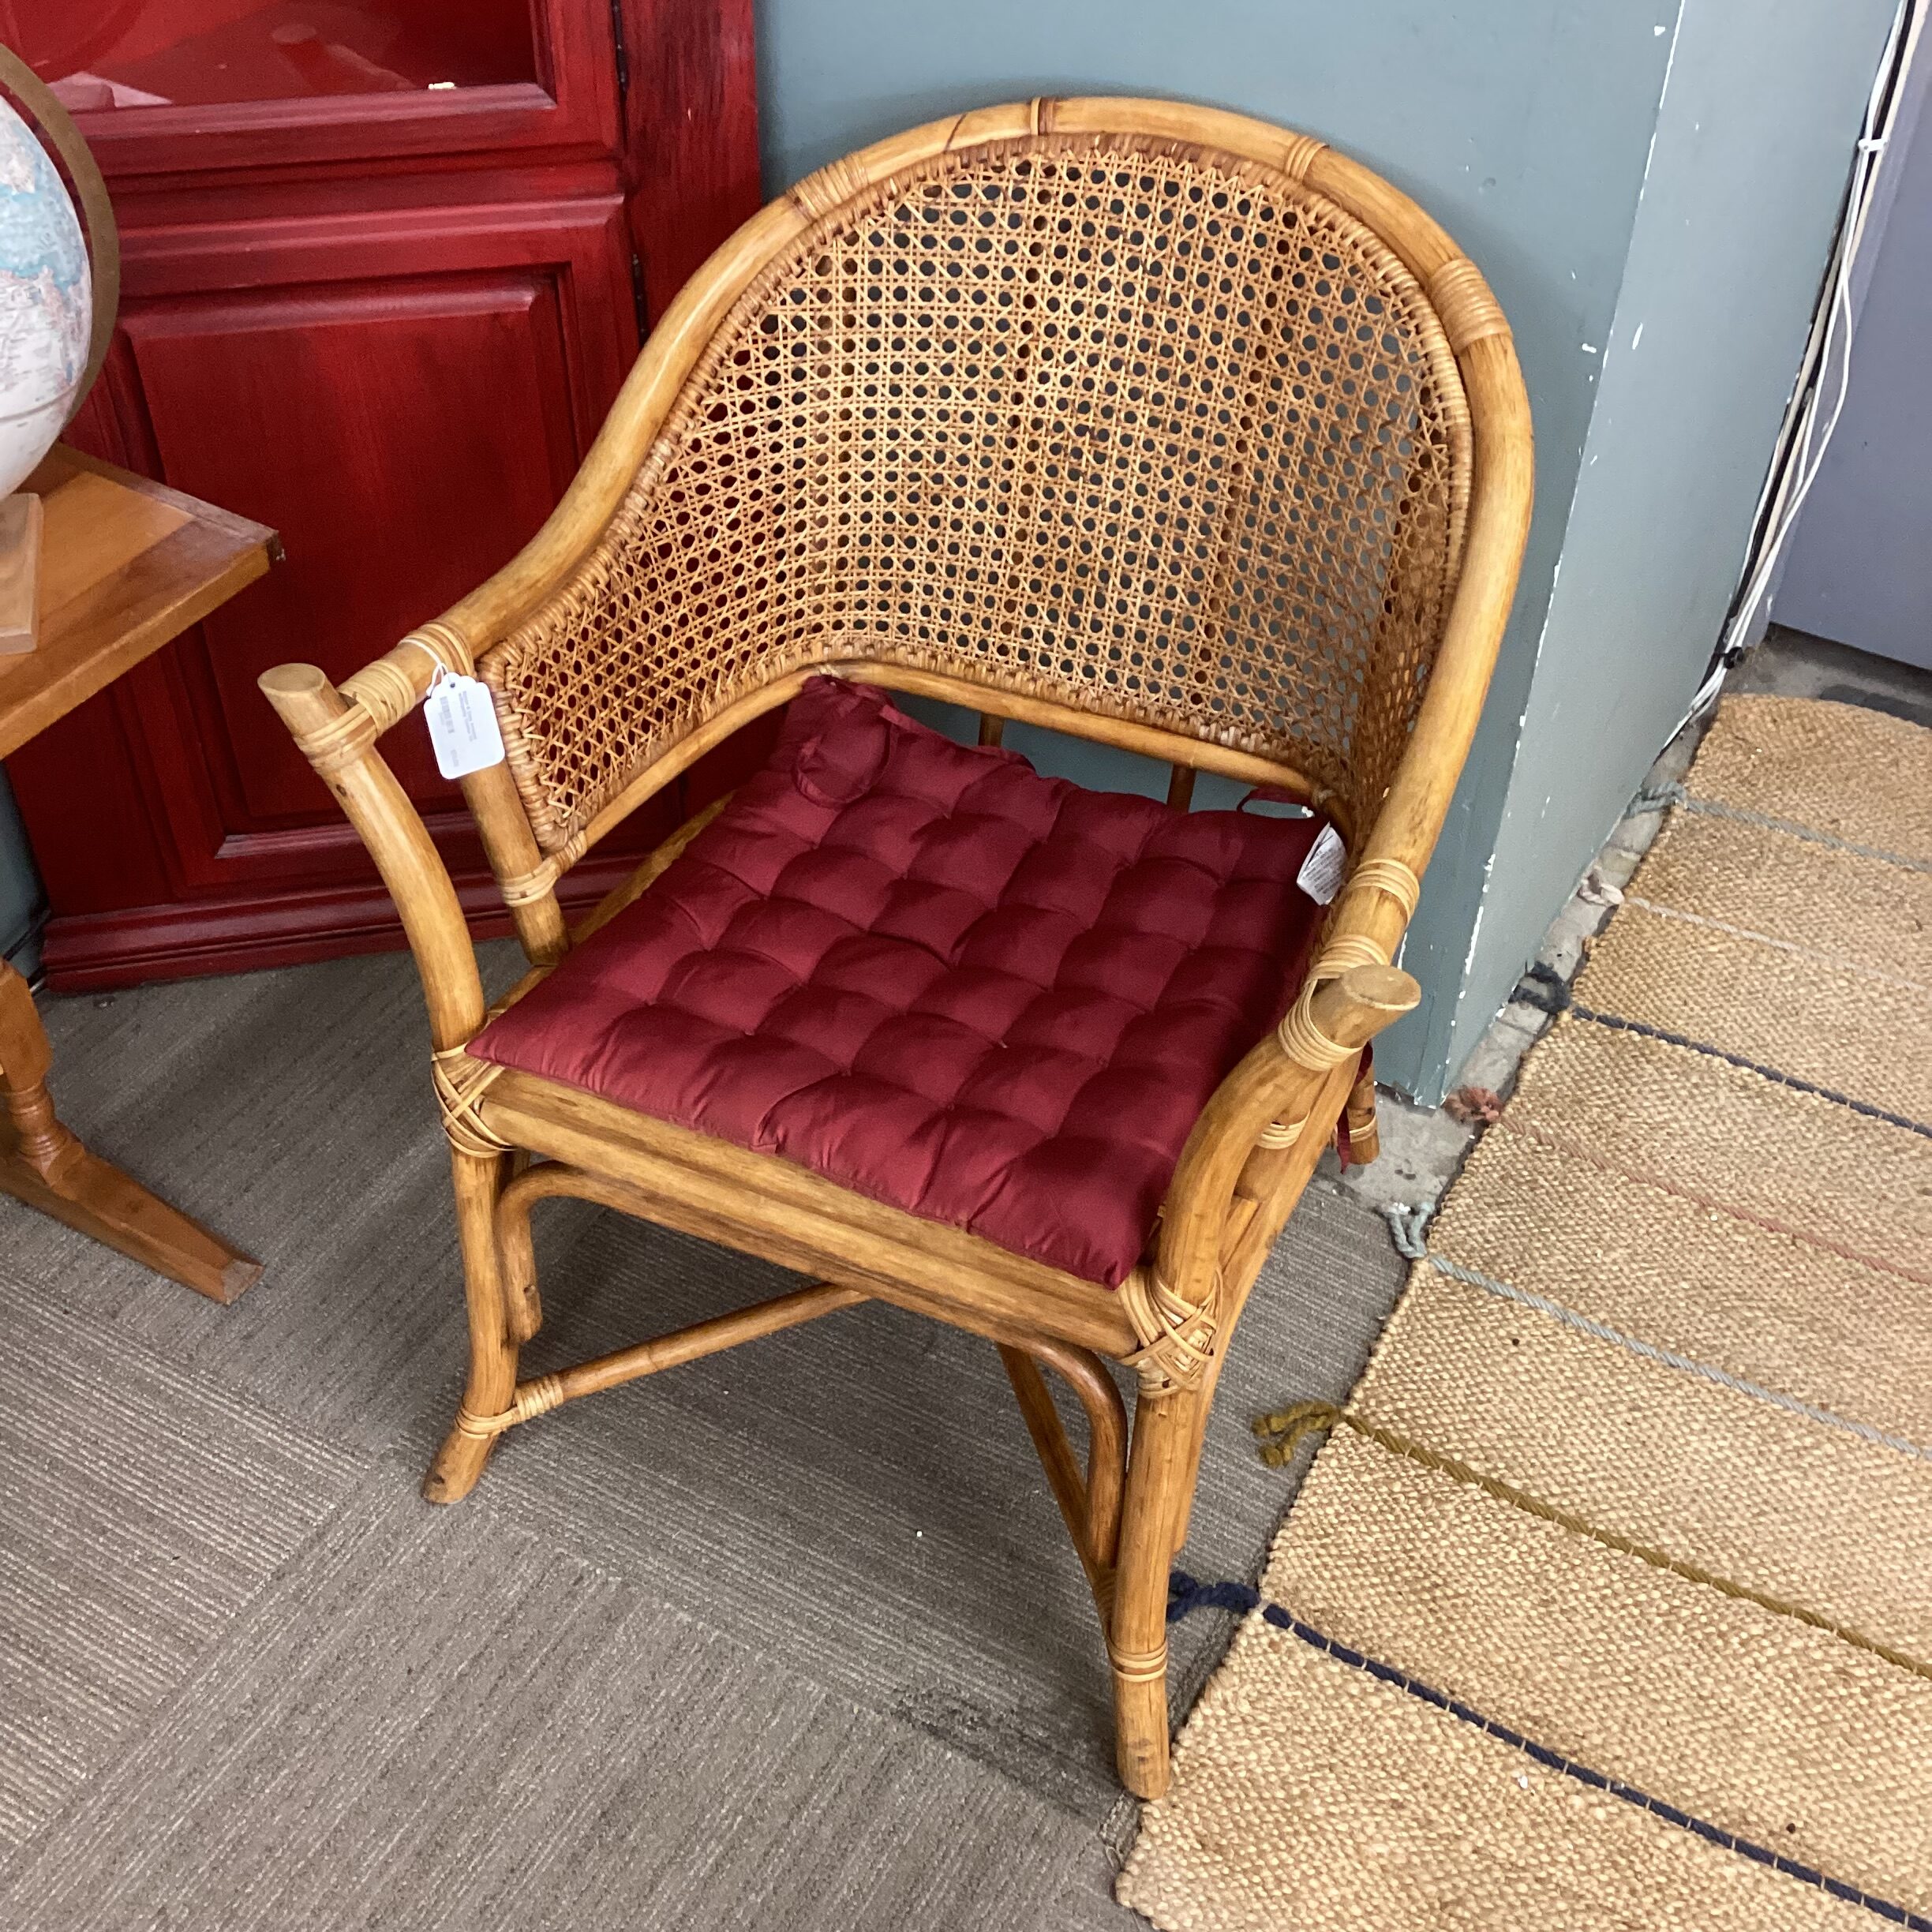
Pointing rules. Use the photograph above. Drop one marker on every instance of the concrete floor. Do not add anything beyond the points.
(1789, 664)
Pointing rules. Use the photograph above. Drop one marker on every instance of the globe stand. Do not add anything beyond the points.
(20, 573)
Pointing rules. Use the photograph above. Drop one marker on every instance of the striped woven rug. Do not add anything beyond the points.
(1608, 1602)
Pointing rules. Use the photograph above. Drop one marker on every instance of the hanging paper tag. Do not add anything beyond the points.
(1320, 876)
(462, 726)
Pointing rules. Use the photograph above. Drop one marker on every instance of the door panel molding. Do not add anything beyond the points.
(389, 325)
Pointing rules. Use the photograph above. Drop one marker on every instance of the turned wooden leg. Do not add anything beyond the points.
(44, 1165)
(478, 1180)
(39, 1139)
(1157, 1470)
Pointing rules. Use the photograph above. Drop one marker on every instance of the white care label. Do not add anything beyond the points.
(1320, 876)
(462, 726)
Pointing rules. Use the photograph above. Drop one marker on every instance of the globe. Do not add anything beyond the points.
(45, 303)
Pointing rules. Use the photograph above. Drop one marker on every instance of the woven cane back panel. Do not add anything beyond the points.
(1125, 424)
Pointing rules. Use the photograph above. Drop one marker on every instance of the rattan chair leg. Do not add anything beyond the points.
(477, 1179)
(1164, 1427)
(1196, 1442)
(1090, 1505)
(1364, 1131)
(517, 1257)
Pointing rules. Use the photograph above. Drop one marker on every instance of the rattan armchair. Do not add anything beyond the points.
(1144, 422)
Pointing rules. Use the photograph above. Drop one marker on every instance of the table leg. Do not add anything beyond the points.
(44, 1165)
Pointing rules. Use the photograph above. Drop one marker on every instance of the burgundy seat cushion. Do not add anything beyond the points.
(928, 973)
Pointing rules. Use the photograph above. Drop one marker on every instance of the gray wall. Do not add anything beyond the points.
(1527, 127)
(1859, 564)
(1522, 125)
(1754, 137)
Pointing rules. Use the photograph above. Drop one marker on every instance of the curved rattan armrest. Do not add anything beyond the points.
(372, 701)
(338, 731)
(1296, 1079)
(338, 737)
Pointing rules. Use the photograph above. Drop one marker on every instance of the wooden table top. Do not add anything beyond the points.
(125, 564)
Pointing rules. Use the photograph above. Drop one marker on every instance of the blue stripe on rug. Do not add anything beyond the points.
(1186, 1595)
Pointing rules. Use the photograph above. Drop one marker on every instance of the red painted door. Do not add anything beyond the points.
(385, 266)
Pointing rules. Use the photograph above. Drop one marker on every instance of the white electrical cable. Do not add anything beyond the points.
(1803, 439)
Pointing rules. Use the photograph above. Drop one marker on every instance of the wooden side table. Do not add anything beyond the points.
(125, 565)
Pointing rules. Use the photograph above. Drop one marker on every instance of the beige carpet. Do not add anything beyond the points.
(1608, 1602)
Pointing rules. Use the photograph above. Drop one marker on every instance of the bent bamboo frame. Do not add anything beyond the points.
(1252, 1149)
(546, 1392)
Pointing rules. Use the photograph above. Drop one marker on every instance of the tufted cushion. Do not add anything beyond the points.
(928, 973)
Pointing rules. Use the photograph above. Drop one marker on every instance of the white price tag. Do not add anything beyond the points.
(1320, 876)
(462, 726)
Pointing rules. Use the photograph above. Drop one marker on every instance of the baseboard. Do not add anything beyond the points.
(99, 951)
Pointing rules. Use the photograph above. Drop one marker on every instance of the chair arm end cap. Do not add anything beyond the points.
(1387, 989)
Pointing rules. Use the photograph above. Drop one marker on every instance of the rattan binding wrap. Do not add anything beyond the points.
(1112, 420)
(386, 690)
(460, 1084)
(1177, 1340)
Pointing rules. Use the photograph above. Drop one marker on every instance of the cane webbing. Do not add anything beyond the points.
(1116, 421)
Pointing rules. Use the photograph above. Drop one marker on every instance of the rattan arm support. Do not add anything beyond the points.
(376, 700)
(1270, 1093)
(338, 735)
(1174, 1303)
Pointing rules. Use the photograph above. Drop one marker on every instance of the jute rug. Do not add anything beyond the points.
(1609, 1601)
